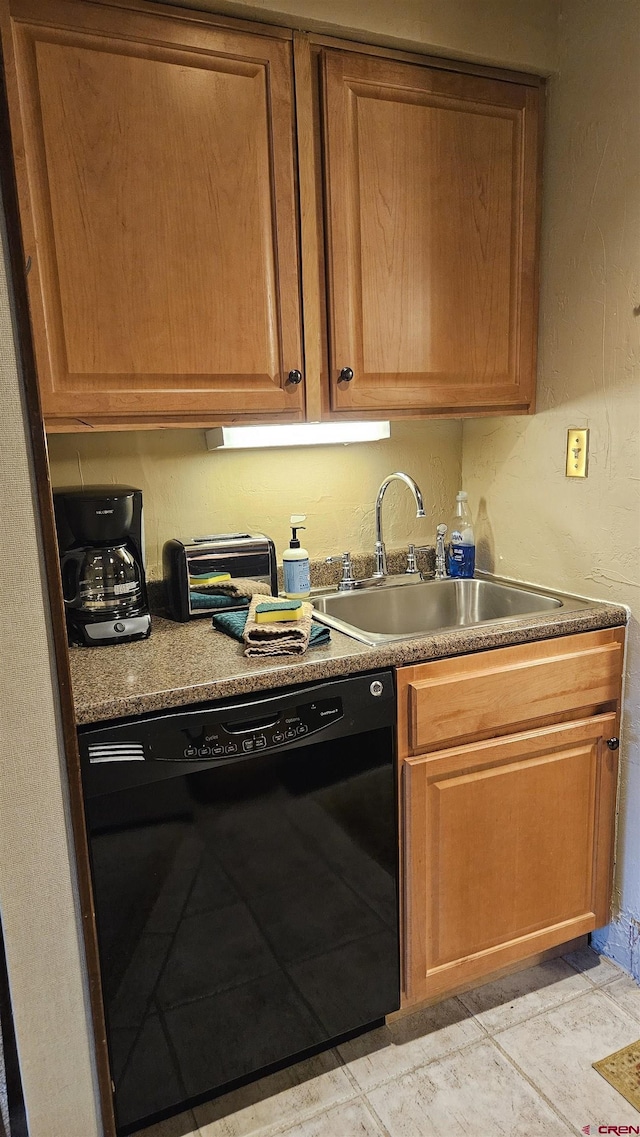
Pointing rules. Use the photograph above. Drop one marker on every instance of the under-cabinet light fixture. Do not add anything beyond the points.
(296, 434)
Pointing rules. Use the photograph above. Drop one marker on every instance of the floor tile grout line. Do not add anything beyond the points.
(585, 972)
(152, 1130)
(378, 1120)
(537, 1014)
(272, 1129)
(485, 1037)
(474, 1018)
(423, 1065)
(541, 1094)
(488, 1037)
(351, 1076)
(632, 1014)
(461, 1050)
(281, 1127)
(286, 1126)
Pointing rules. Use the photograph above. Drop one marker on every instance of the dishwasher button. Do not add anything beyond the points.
(376, 687)
(247, 745)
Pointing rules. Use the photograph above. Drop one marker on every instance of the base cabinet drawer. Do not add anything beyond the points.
(508, 689)
(507, 839)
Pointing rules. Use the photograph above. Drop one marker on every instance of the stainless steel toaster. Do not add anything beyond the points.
(189, 566)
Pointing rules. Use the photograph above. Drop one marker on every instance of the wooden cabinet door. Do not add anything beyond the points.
(158, 199)
(431, 189)
(508, 850)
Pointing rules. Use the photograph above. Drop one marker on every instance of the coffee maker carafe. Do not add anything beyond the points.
(101, 541)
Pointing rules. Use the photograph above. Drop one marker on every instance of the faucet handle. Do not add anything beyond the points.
(347, 573)
(412, 564)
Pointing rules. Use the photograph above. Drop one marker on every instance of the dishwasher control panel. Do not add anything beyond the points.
(228, 740)
(201, 738)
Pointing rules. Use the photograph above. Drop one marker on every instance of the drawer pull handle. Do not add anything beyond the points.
(613, 743)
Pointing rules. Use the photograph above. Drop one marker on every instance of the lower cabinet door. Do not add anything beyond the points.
(508, 850)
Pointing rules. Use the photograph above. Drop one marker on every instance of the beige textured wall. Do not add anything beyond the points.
(535, 523)
(37, 899)
(509, 33)
(189, 491)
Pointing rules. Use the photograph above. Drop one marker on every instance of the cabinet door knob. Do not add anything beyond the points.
(295, 377)
(346, 375)
(613, 743)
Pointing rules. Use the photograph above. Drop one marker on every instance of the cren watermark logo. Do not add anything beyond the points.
(618, 1130)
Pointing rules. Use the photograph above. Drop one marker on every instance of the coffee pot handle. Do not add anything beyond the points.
(71, 577)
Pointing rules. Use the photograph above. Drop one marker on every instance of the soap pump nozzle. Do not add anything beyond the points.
(295, 520)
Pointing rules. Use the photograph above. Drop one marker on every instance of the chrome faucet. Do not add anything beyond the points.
(381, 554)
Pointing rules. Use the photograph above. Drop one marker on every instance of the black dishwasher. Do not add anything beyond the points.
(244, 863)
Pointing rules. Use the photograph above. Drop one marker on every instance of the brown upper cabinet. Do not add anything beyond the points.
(189, 186)
(431, 207)
(158, 200)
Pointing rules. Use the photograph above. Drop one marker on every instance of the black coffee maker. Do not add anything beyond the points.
(101, 542)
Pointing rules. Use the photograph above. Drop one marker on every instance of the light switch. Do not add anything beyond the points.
(577, 453)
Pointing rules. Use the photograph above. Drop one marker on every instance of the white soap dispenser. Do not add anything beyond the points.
(295, 563)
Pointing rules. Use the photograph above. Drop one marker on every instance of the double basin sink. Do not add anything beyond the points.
(404, 607)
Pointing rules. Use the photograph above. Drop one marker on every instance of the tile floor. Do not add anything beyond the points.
(510, 1059)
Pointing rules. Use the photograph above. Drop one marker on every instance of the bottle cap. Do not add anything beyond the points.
(461, 496)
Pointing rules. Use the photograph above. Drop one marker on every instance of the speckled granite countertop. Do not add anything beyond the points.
(183, 664)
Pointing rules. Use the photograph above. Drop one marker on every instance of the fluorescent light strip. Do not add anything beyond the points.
(296, 434)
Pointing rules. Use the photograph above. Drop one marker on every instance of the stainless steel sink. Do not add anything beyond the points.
(412, 607)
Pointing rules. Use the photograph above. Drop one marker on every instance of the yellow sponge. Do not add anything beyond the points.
(205, 581)
(273, 611)
(278, 615)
